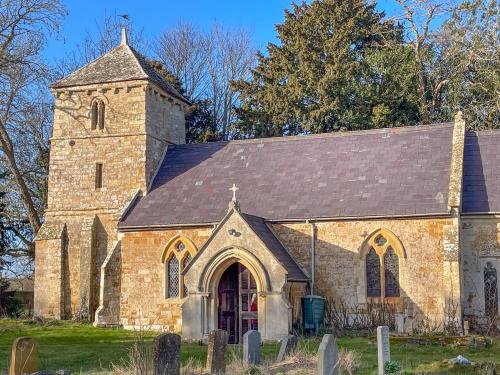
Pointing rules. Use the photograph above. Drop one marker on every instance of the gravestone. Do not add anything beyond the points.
(216, 355)
(383, 349)
(328, 356)
(251, 347)
(409, 325)
(400, 323)
(288, 345)
(167, 354)
(466, 327)
(24, 356)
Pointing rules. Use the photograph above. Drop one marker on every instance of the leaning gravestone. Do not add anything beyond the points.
(328, 356)
(216, 355)
(166, 354)
(384, 353)
(288, 345)
(24, 356)
(251, 347)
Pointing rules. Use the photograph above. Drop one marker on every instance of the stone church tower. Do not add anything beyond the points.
(114, 119)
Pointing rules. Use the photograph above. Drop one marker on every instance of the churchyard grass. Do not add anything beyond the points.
(82, 348)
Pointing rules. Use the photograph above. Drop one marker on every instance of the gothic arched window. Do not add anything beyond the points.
(383, 251)
(391, 273)
(373, 274)
(490, 290)
(94, 114)
(176, 256)
(97, 114)
(173, 277)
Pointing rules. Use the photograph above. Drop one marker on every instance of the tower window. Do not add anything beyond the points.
(97, 114)
(98, 175)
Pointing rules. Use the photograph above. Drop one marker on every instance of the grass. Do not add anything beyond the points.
(82, 348)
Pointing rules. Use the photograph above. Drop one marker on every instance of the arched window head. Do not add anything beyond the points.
(490, 290)
(177, 255)
(97, 114)
(382, 250)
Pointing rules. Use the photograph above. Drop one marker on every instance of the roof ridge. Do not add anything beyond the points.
(284, 138)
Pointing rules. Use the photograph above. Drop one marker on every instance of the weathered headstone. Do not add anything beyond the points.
(384, 352)
(328, 356)
(466, 327)
(24, 356)
(251, 347)
(216, 356)
(409, 325)
(167, 354)
(400, 323)
(288, 345)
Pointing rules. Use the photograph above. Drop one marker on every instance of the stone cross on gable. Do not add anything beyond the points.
(234, 189)
(234, 202)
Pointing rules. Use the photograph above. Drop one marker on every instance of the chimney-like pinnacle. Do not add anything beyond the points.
(124, 37)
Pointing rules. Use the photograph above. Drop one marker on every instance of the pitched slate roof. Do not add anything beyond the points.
(261, 229)
(481, 182)
(386, 172)
(123, 63)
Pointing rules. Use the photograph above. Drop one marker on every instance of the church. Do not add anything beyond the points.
(144, 230)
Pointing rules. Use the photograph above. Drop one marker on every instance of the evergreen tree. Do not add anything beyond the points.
(329, 72)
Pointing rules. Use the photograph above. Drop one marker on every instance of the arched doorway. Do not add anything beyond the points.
(237, 310)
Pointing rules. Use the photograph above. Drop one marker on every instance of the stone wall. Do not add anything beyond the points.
(339, 270)
(480, 237)
(143, 297)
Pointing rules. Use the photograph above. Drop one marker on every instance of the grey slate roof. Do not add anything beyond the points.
(386, 172)
(481, 182)
(123, 63)
(260, 228)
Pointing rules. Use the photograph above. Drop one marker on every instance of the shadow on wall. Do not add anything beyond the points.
(340, 277)
(475, 193)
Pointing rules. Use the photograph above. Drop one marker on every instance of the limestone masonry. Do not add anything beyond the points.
(138, 231)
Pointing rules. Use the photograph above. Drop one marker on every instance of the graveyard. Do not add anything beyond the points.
(81, 348)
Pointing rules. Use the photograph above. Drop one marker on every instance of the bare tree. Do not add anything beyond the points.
(207, 62)
(419, 15)
(23, 24)
(102, 39)
(184, 50)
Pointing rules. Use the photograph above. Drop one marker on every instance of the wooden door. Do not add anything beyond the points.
(248, 308)
(228, 304)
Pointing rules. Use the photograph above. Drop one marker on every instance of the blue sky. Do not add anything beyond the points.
(259, 16)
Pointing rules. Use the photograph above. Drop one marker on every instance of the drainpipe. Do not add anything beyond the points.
(313, 252)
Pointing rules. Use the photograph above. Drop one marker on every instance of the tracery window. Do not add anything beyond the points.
(391, 273)
(176, 256)
(373, 274)
(97, 114)
(382, 265)
(490, 290)
(173, 277)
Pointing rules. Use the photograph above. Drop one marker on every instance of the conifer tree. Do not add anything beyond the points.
(329, 72)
